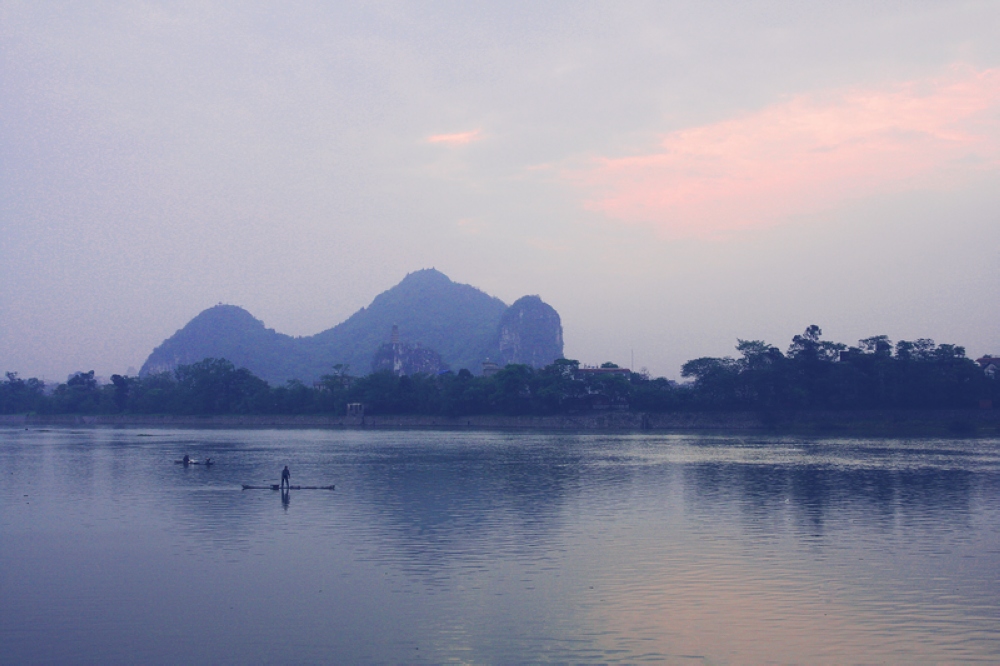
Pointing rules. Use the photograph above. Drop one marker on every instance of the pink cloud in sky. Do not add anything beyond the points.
(456, 139)
(804, 155)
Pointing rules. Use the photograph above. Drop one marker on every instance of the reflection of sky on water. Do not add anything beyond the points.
(497, 547)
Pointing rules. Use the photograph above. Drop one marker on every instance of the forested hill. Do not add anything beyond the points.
(814, 376)
(228, 331)
(458, 321)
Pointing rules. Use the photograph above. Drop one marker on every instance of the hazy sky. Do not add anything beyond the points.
(669, 176)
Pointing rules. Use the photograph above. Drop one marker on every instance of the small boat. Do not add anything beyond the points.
(276, 486)
(208, 461)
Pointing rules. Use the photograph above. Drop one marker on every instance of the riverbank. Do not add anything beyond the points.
(869, 422)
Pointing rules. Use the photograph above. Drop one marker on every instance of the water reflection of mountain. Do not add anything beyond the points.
(440, 504)
(438, 498)
(466, 496)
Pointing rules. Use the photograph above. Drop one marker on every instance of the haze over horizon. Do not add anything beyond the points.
(668, 176)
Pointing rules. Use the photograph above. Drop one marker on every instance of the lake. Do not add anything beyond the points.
(496, 548)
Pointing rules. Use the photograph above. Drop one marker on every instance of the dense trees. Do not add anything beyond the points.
(811, 374)
(20, 395)
(819, 374)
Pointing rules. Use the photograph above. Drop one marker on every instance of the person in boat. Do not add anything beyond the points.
(208, 461)
(286, 478)
(187, 459)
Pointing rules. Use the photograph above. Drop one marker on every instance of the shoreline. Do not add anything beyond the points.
(944, 423)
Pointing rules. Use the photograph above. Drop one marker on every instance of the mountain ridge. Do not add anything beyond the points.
(458, 321)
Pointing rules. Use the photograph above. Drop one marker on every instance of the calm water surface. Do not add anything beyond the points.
(442, 547)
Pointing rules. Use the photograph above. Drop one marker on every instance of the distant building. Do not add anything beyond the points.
(490, 368)
(990, 365)
(602, 395)
(403, 359)
(581, 373)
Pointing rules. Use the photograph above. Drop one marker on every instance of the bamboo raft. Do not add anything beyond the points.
(276, 486)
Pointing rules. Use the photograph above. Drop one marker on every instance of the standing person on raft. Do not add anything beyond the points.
(285, 478)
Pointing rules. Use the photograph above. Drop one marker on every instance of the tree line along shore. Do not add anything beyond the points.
(933, 423)
(812, 375)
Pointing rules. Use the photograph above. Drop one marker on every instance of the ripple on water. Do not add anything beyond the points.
(498, 547)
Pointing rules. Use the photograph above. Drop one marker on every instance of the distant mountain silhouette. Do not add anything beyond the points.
(230, 332)
(459, 322)
(530, 333)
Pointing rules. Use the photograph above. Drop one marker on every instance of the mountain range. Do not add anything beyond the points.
(464, 325)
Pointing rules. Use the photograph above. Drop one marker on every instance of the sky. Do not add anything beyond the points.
(670, 176)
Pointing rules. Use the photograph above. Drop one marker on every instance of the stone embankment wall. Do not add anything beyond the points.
(875, 422)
